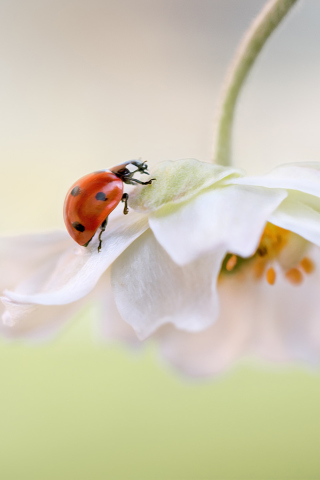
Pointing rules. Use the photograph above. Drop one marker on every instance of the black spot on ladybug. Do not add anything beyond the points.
(78, 226)
(101, 196)
(75, 191)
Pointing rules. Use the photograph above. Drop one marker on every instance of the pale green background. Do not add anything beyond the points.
(88, 84)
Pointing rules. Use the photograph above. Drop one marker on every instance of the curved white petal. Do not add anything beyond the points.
(109, 325)
(37, 322)
(279, 323)
(210, 352)
(34, 322)
(299, 218)
(287, 326)
(151, 290)
(20, 255)
(303, 177)
(232, 218)
(77, 270)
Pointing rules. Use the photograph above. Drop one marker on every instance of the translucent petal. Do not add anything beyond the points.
(278, 323)
(298, 217)
(20, 255)
(77, 270)
(287, 326)
(151, 290)
(304, 177)
(109, 325)
(231, 218)
(210, 352)
(34, 322)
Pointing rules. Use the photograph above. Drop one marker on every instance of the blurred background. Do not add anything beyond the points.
(89, 84)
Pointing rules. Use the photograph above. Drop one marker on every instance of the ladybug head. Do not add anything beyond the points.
(122, 171)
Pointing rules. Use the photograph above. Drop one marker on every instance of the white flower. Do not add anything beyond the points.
(200, 236)
(269, 303)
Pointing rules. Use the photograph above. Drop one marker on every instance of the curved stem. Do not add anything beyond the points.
(253, 41)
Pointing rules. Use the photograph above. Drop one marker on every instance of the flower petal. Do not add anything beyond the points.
(278, 323)
(287, 326)
(77, 270)
(304, 177)
(299, 218)
(178, 181)
(151, 290)
(210, 352)
(22, 254)
(34, 322)
(231, 218)
(110, 325)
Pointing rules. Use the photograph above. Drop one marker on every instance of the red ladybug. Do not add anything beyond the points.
(93, 197)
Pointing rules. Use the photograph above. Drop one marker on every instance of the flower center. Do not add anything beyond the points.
(279, 251)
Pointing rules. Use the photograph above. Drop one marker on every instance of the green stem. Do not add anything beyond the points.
(253, 41)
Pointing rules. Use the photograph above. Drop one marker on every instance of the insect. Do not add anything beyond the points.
(93, 197)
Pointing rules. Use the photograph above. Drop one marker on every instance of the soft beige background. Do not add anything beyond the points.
(88, 84)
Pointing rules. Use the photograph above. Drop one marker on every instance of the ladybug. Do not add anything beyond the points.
(92, 198)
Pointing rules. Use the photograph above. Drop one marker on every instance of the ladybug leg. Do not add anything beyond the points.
(132, 181)
(125, 198)
(86, 244)
(102, 229)
(141, 170)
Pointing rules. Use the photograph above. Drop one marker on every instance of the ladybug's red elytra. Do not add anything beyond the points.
(92, 198)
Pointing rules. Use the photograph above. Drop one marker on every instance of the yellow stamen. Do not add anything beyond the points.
(277, 246)
(307, 265)
(294, 276)
(231, 263)
(271, 276)
(272, 241)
